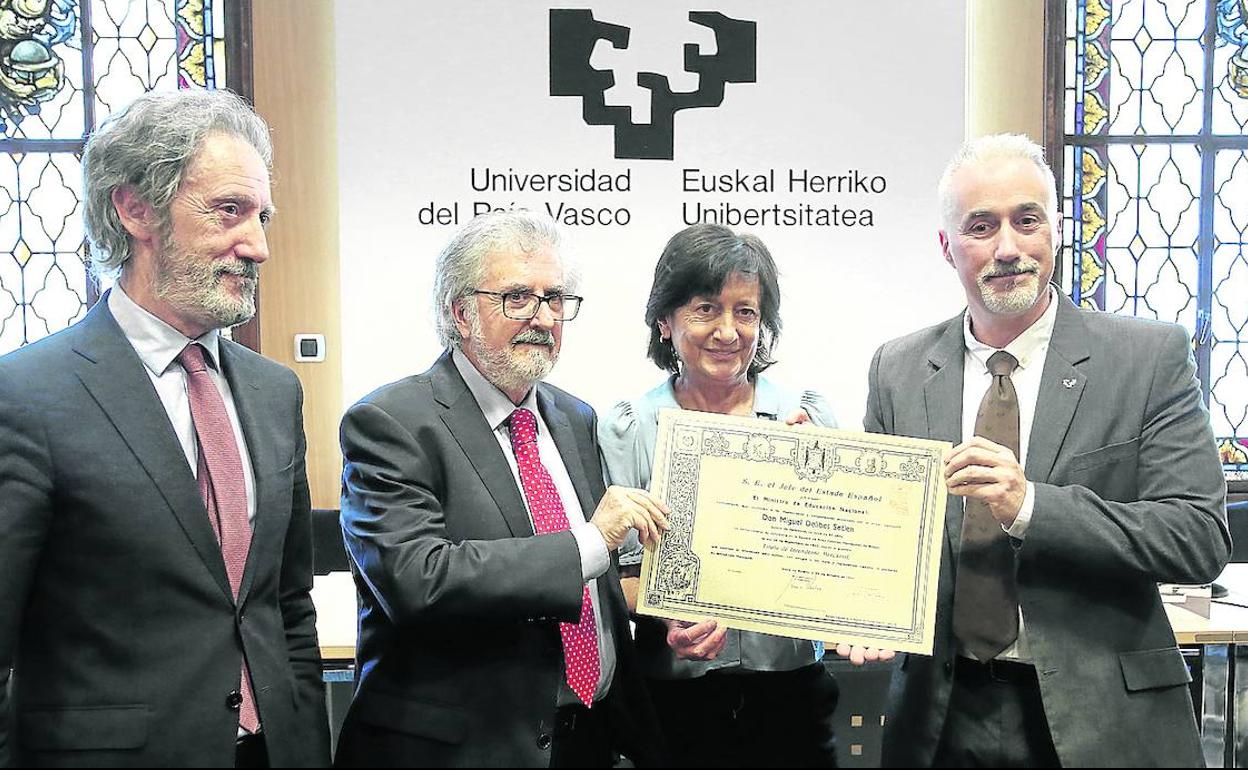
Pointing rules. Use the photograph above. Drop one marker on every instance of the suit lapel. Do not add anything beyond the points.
(250, 401)
(115, 377)
(942, 397)
(1061, 387)
(463, 417)
(569, 452)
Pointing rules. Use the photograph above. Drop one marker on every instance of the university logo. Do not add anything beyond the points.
(575, 32)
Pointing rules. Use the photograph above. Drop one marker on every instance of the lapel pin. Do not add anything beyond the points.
(1069, 382)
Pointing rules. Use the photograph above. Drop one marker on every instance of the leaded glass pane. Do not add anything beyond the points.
(1087, 67)
(1071, 92)
(41, 267)
(1156, 67)
(201, 43)
(1068, 222)
(65, 65)
(1087, 223)
(1155, 179)
(135, 47)
(41, 72)
(1153, 228)
(1228, 403)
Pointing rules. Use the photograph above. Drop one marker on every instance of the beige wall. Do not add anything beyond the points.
(293, 55)
(294, 85)
(1005, 67)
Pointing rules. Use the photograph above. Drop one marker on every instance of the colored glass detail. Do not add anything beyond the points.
(1230, 105)
(32, 71)
(201, 51)
(65, 65)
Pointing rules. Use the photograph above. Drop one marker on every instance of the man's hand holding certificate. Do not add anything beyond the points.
(797, 531)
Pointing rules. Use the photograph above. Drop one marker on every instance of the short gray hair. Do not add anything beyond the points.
(995, 147)
(148, 145)
(460, 267)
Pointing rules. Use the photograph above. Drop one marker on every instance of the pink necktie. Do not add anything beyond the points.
(222, 487)
(580, 640)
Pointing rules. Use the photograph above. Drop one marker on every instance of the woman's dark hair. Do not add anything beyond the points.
(698, 261)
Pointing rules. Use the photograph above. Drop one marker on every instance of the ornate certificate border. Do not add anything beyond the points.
(671, 572)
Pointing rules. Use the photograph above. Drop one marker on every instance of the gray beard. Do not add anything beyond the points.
(507, 369)
(1014, 302)
(194, 287)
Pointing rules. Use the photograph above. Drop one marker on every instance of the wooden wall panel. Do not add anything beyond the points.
(293, 57)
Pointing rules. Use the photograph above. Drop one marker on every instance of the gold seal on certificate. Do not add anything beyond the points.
(797, 531)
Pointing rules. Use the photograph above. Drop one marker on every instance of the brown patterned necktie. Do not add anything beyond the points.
(985, 600)
(223, 489)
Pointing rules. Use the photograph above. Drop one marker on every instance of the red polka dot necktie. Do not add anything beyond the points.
(223, 489)
(580, 640)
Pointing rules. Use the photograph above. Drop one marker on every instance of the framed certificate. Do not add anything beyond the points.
(797, 531)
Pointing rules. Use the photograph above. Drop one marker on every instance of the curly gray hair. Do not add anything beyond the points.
(461, 265)
(148, 145)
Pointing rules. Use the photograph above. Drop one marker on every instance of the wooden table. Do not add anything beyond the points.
(1222, 638)
(1223, 641)
(334, 597)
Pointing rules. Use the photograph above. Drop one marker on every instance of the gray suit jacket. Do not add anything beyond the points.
(1129, 493)
(460, 659)
(115, 611)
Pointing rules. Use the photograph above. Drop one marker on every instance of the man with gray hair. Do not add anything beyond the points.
(493, 631)
(156, 553)
(1084, 472)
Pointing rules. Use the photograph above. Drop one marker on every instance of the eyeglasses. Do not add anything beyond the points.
(524, 305)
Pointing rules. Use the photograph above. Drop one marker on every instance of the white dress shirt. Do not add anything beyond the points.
(158, 345)
(1031, 348)
(595, 559)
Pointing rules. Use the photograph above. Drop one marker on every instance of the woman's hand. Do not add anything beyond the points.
(800, 417)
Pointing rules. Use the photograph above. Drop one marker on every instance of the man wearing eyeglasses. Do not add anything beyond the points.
(492, 626)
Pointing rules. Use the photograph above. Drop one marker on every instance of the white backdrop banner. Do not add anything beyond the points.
(820, 127)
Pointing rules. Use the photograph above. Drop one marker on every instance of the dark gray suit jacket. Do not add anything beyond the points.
(115, 609)
(460, 660)
(1129, 493)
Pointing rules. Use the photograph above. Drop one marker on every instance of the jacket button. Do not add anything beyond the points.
(948, 666)
(543, 741)
(234, 700)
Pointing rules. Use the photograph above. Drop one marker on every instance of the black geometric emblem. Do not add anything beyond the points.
(575, 32)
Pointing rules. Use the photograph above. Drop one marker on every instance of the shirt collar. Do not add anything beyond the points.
(766, 398)
(495, 404)
(156, 342)
(1025, 347)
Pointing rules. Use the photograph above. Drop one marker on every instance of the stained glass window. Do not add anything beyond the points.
(1155, 180)
(65, 65)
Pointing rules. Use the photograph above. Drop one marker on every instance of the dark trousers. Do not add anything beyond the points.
(582, 737)
(742, 719)
(251, 751)
(995, 719)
